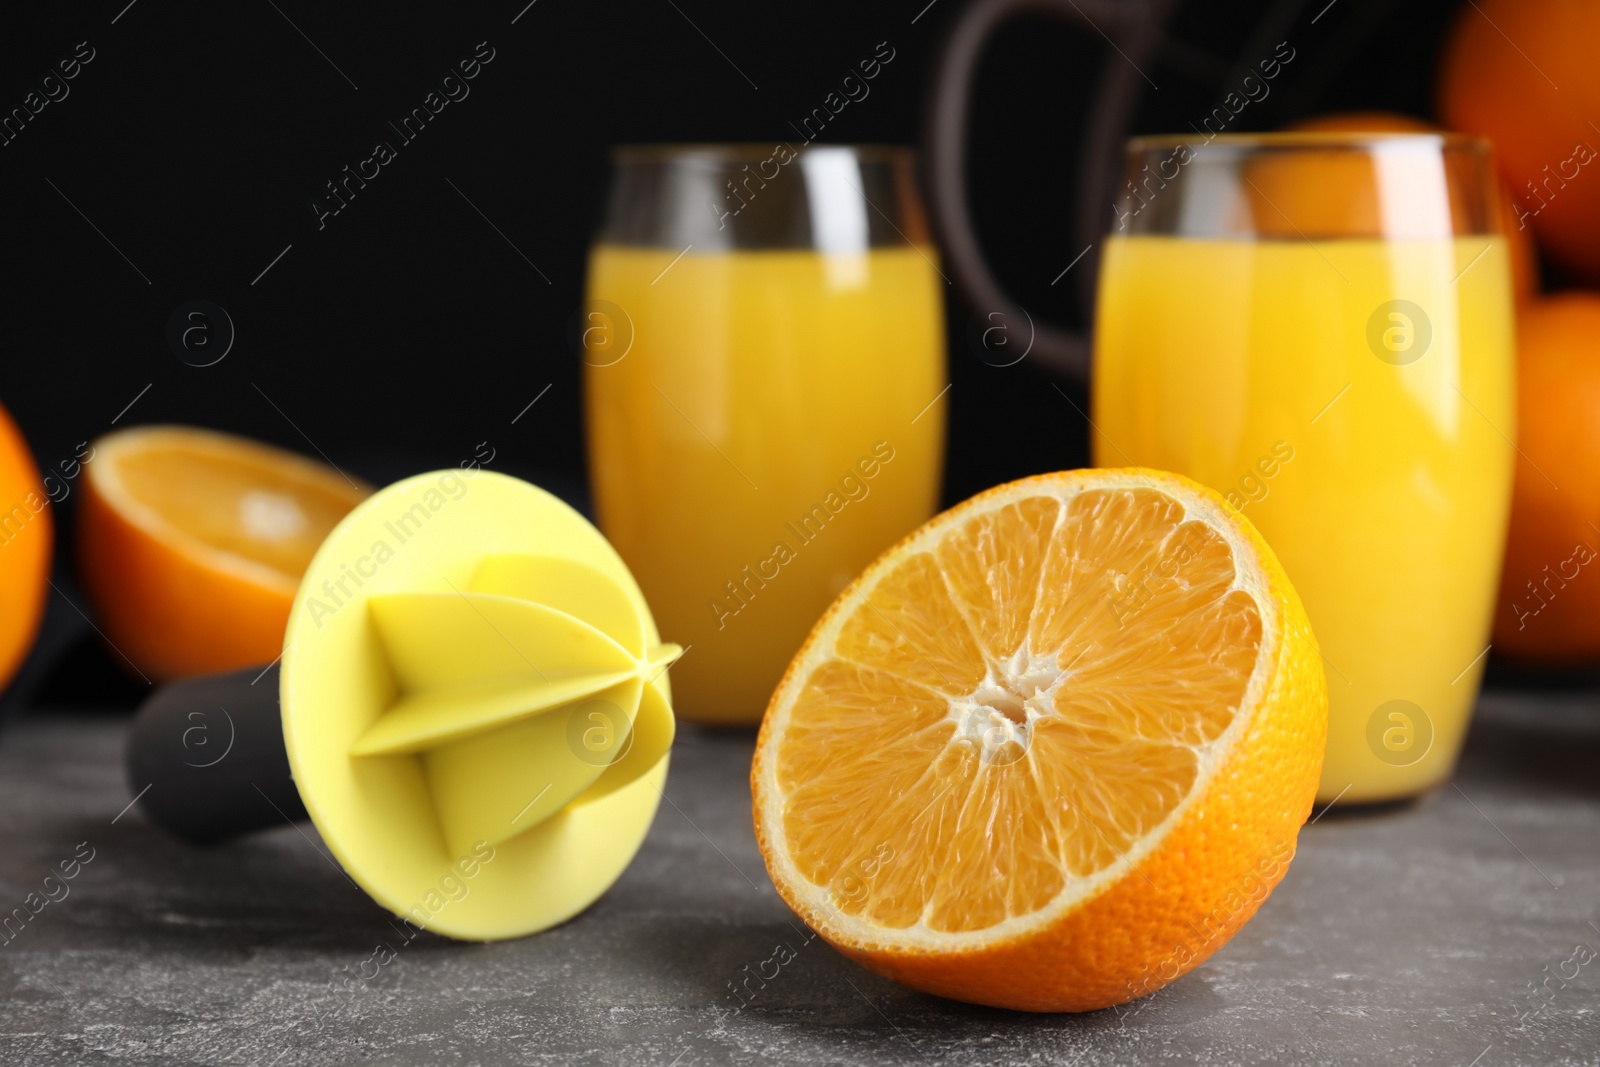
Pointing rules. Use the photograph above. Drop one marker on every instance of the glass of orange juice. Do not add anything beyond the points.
(763, 334)
(1319, 326)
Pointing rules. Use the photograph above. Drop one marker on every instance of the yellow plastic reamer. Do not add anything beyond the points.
(475, 704)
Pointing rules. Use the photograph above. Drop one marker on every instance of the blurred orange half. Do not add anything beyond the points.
(192, 543)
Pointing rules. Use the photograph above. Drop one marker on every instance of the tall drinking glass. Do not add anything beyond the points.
(1319, 326)
(764, 340)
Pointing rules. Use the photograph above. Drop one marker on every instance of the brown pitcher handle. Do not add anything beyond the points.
(1134, 28)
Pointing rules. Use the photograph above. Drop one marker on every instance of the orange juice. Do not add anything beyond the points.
(761, 426)
(1355, 398)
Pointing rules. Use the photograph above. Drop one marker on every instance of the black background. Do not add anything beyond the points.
(408, 330)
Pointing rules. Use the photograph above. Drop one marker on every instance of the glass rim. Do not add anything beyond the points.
(749, 151)
(1310, 139)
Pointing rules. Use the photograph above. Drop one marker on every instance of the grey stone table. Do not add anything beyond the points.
(1435, 933)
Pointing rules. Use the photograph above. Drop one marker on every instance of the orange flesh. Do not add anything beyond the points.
(1014, 710)
(270, 514)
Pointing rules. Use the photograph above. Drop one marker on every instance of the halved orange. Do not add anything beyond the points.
(192, 544)
(1050, 751)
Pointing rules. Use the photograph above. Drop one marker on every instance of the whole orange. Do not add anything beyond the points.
(1549, 606)
(25, 541)
(1363, 122)
(1523, 73)
(1524, 256)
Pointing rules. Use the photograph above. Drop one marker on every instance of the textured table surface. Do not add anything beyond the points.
(1436, 933)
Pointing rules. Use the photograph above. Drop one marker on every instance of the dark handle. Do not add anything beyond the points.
(1133, 29)
(206, 756)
